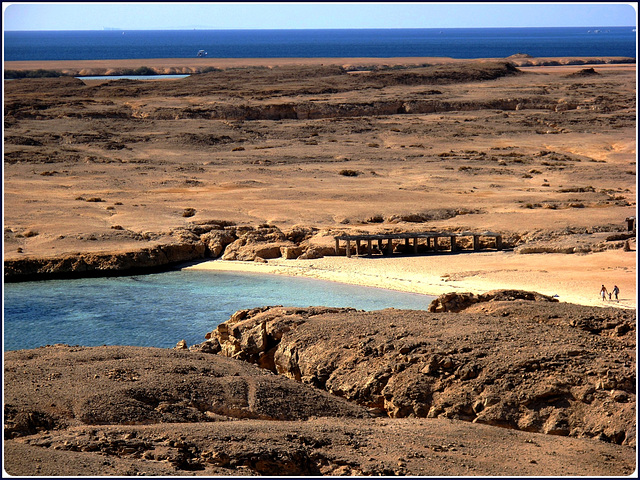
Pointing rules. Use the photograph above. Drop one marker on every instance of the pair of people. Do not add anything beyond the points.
(604, 293)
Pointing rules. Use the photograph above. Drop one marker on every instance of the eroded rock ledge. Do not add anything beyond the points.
(210, 239)
(224, 239)
(518, 360)
(145, 260)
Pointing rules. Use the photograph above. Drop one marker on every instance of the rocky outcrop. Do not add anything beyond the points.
(216, 241)
(207, 239)
(242, 250)
(317, 251)
(456, 302)
(244, 338)
(98, 264)
(570, 240)
(585, 72)
(223, 239)
(319, 110)
(516, 359)
(315, 110)
(291, 252)
(260, 243)
(566, 248)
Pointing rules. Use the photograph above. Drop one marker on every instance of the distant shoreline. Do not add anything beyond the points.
(168, 66)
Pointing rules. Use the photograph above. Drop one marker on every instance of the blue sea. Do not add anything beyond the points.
(327, 43)
(158, 310)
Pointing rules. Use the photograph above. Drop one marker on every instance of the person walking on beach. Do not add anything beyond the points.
(615, 292)
(603, 293)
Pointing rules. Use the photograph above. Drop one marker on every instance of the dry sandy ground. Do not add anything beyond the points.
(113, 167)
(187, 65)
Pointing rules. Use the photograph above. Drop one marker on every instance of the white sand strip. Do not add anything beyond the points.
(574, 278)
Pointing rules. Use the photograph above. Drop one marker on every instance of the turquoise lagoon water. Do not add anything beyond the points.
(158, 310)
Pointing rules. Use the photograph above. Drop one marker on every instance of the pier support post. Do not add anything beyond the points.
(369, 252)
(380, 245)
(390, 247)
(337, 247)
(358, 247)
(498, 242)
(348, 248)
(453, 243)
(435, 243)
(415, 245)
(476, 242)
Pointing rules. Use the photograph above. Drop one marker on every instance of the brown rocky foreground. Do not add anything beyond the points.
(508, 383)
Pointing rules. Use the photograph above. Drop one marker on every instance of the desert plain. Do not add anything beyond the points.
(257, 165)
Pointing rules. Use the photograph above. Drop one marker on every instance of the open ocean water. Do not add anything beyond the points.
(326, 43)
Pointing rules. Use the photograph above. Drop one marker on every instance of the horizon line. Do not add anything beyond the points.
(107, 29)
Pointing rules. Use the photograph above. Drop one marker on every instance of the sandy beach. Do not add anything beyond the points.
(571, 277)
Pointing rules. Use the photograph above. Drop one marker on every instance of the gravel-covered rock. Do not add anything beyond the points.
(518, 360)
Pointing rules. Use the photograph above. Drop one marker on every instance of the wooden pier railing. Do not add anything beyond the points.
(429, 242)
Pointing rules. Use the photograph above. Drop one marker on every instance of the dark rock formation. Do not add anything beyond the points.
(585, 72)
(528, 363)
(144, 260)
(456, 302)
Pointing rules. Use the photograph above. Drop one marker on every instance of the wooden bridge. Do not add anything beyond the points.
(429, 242)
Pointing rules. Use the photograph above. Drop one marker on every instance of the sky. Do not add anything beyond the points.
(268, 15)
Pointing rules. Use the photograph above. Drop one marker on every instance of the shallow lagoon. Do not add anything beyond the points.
(159, 310)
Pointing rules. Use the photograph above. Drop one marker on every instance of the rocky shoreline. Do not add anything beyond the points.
(224, 240)
(404, 364)
(209, 239)
(535, 386)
